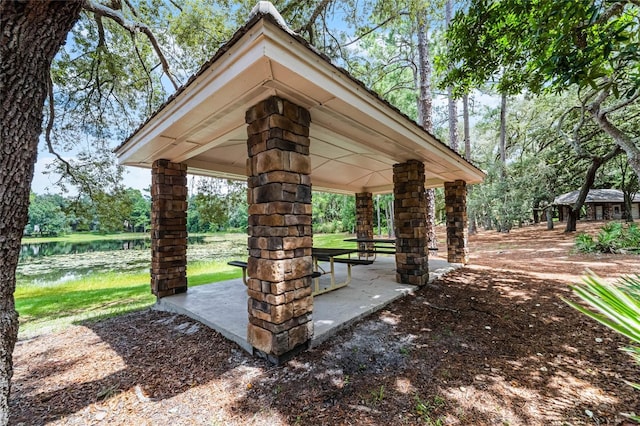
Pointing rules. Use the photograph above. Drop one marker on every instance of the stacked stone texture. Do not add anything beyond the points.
(280, 235)
(410, 214)
(607, 212)
(364, 219)
(168, 228)
(455, 198)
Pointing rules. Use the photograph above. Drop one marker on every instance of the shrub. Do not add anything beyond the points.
(614, 237)
(617, 306)
(585, 243)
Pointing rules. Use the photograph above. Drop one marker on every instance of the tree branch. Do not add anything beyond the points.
(380, 25)
(47, 136)
(133, 28)
(308, 27)
(621, 105)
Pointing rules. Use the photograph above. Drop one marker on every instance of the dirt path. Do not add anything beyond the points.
(491, 343)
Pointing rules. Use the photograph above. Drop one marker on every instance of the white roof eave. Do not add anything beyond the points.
(267, 60)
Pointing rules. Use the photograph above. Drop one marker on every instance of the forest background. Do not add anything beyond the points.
(534, 143)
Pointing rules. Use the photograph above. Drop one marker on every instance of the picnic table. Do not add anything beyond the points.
(333, 256)
(368, 248)
(330, 255)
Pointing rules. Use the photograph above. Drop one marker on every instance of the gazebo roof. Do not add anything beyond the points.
(356, 137)
(594, 196)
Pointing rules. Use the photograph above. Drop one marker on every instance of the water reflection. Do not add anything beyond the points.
(56, 263)
(30, 251)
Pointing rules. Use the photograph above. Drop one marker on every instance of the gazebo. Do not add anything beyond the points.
(270, 109)
(601, 204)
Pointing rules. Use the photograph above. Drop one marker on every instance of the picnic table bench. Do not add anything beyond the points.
(330, 255)
(368, 248)
(243, 265)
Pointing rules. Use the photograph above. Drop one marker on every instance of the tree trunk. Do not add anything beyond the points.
(572, 220)
(425, 106)
(378, 214)
(622, 139)
(473, 225)
(574, 211)
(628, 205)
(425, 101)
(391, 226)
(503, 135)
(453, 106)
(32, 33)
(549, 213)
(467, 134)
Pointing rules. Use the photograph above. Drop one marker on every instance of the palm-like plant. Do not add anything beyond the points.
(617, 307)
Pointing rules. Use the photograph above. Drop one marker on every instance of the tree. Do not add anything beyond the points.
(551, 46)
(32, 34)
(216, 199)
(47, 213)
(451, 101)
(140, 217)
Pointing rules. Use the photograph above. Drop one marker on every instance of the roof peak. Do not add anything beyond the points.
(267, 8)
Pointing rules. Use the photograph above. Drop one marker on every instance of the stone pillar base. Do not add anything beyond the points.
(280, 236)
(168, 228)
(410, 214)
(364, 220)
(455, 198)
(281, 359)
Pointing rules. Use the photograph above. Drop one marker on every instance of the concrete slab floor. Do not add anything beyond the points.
(223, 306)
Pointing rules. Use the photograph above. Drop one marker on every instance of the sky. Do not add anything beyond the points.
(134, 177)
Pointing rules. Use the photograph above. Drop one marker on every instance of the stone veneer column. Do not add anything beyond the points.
(280, 235)
(364, 219)
(168, 228)
(410, 214)
(455, 199)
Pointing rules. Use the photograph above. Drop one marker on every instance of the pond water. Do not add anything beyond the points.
(55, 263)
(29, 251)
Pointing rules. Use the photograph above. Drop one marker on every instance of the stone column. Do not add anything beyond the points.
(455, 199)
(410, 214)
(280, 236)
(364, 220)
(168, 228)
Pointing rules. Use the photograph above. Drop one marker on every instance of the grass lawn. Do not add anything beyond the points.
(44, 308)
(101, 295)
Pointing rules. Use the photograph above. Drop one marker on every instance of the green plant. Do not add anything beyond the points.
(377, 395)
(612, 238)
(617, 306)
(585, 243)
(632, 236)
(425, 408)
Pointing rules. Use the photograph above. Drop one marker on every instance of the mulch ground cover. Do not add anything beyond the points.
(489, 344)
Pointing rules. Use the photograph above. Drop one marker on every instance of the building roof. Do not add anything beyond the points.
(594, 196)
(356, 136)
